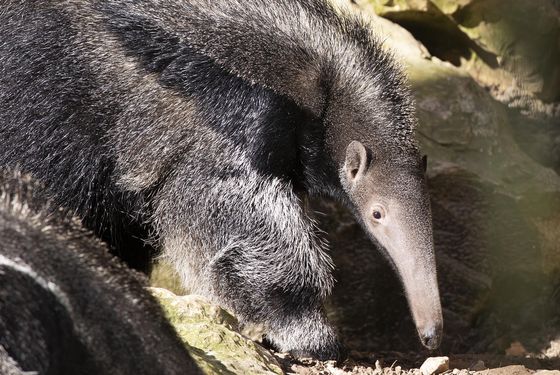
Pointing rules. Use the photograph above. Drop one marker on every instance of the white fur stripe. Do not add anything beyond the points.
(49, 286)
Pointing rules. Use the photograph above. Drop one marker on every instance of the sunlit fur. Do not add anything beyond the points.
(198, 122)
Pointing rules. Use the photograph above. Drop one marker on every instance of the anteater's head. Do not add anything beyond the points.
(389, 196)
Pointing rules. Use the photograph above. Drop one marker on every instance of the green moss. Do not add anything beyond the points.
(211, 335)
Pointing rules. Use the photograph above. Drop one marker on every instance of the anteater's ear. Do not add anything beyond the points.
(356, 161)
(424, 163)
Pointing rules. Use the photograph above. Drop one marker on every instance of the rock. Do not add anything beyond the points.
(491, 36)
(212, 337)
(529, 61)
(547, 372)
(516, 349)
(553, 349)
(478, 366)
(507, 370)
(435, 365)
(460, 123)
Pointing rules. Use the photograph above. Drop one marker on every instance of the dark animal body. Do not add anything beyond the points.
(197, 124)
(66, 305)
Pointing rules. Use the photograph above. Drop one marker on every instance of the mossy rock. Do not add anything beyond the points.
(212, 337)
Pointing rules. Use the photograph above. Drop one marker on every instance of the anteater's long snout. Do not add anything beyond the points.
(408, 243)
(423, 298)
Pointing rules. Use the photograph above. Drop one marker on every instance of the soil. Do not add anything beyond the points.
(395, 363)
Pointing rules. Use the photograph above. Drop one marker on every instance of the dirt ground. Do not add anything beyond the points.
(394, 363)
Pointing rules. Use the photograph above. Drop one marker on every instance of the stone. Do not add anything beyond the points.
(516, 349)
(553, 350)
(435, 365)
(489, 37)
(163, 275)
(212, 336)
(478, 366)
(531, 61)
(507, 370)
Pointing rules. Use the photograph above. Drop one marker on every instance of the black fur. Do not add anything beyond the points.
(66, 305)
(193, 124)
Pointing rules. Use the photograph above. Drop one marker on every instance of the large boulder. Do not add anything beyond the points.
(518, 40)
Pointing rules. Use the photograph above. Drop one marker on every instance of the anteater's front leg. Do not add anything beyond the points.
(243, 240)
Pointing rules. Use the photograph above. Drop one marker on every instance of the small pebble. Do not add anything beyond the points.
(516, 349)
(378, 369)
(435, 365)
(398, 370)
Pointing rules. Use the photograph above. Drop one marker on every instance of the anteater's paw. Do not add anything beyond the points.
(316, 340)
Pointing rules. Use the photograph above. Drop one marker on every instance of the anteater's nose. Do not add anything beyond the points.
(431, 337)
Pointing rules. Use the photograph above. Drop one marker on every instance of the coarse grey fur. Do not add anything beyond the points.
(201, 122)
(66, 305)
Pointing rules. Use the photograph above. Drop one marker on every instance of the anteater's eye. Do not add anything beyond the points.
(377, 215)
